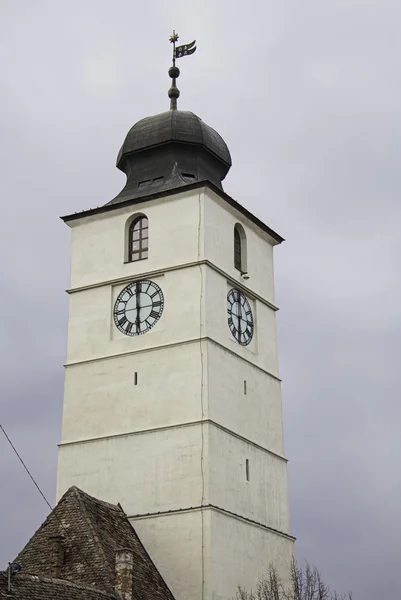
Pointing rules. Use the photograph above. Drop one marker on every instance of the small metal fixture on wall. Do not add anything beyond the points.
(13, 569)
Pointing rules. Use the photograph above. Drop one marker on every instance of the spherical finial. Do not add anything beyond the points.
(174, 72)
(173, 92)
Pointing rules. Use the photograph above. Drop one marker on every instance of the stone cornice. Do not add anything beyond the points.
(176, 426)
(194, 186)
(158, 272)
(172, 345)
(211, 507)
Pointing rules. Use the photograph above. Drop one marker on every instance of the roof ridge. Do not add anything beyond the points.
(80, 492)
(92, 533)
(52, 514)
(173, 121)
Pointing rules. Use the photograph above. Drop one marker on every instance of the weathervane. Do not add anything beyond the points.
(174, 72)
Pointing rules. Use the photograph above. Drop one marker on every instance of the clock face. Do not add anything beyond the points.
(240, 319)
(138, 307)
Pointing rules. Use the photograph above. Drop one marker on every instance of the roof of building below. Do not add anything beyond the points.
(39, 587)
(92, 531)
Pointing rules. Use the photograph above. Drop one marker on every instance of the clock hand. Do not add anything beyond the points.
(239, 320)
(141, 307)
(137, 296)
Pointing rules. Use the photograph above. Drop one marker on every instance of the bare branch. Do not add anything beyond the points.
(304, 584)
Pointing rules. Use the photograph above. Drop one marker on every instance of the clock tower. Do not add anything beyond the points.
(172, 401)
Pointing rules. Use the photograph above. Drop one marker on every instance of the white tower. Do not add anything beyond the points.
(172, 402)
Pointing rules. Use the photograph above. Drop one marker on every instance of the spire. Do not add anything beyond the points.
(174, 71)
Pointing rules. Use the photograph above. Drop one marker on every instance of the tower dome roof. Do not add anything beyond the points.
(174, 126)
(170, 150)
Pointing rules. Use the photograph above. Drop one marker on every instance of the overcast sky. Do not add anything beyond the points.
(307, 95)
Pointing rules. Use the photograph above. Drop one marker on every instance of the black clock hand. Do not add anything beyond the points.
(137, 296)
(239, 320)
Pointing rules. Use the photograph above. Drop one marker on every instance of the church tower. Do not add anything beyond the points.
(172, 403)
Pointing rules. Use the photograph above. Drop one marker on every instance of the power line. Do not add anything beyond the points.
(104, 562)
(26, 468)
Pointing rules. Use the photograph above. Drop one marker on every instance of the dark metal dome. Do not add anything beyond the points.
(177, 126)
(170, 150)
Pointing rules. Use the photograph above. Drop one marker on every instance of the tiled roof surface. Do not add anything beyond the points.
(92, 530)
(39, 587)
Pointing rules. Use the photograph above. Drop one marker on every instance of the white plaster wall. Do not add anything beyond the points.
(256, 415)
(100, 397)
(149, 472)
(219, 221)
(264, 497)
(93, 334)
(162, 470)
(174, 543)
(262, 350)
(97, 246)
(240, 554)
(182, 228)
(234, 552)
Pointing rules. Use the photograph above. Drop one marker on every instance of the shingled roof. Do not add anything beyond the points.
(91, 532)
(38, 587)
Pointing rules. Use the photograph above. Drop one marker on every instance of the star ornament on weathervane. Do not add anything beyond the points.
(180, 51)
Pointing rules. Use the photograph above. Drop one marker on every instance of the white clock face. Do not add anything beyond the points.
(240, 318)
(138, 307)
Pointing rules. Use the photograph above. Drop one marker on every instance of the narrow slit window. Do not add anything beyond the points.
(247, 469)
(136, 378)
(240, 250)
(245, 387)
(237, 249)
(138, 239)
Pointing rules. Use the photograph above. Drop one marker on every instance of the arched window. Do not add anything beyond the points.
(240, 248)
(138, 239)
